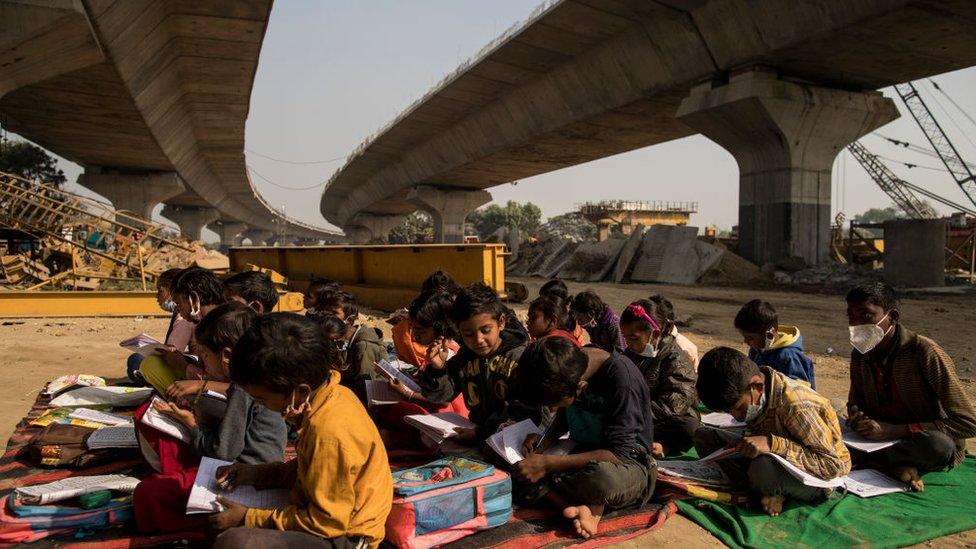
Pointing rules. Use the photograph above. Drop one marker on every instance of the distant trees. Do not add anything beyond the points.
(527, 217)
(417, 228)
(569, 225)
(30, 162)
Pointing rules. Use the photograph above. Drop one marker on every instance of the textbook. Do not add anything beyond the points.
(72, 487)
(393, 371)
(164, 423)
(117, 436)
(702, 473)
(379, 393)
(57, 385)
(203, 495)
(721, 420)
(507, 442)
(89, 415)
(141, 344)
(439, 427)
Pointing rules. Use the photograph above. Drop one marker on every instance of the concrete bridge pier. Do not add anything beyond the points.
(231, 233)
(449, 208)
(784, 136)
(191, 219)
(137, 194)
(364, 228)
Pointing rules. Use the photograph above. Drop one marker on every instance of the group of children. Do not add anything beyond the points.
(633, 393)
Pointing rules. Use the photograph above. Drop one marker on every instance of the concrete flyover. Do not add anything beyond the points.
(150, 97)
(784, 85)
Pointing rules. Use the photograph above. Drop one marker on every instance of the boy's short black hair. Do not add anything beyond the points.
(476, 299)
(281, 351)
(200, 281)
(589, 303)
(321, 285)
(433, 310)
(555, 287)
(223, 326)
(875, 293)
(252, 286)
(756, 317)
(338, 299)
(165, 279)
(723, 377)
(628, 317)
(440, 281)
(549, 371)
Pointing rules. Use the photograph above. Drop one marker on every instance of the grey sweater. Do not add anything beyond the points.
(238, 429)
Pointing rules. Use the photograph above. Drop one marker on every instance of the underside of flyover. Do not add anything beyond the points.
(586, 79)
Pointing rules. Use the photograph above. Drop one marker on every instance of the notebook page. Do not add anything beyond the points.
(378, 392)
(393, 372)
(116, 436)
(203, 495)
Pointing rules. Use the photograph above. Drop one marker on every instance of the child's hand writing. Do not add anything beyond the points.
(182, 415)
(753, 447)
(231, 516)
(229, 477)
(530, 442)
(184, 389)
(533, 468)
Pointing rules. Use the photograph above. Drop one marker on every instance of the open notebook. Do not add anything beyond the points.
(72, 487)
(439, 427)
(203, 495)
(379, 393)
(141, 344)
(507, 442)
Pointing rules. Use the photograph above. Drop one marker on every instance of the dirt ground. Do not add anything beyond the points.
(37, 350)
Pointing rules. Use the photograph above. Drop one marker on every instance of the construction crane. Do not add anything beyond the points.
(896, 188)
(947, 152)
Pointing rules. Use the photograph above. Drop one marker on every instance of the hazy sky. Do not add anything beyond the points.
(332, 72)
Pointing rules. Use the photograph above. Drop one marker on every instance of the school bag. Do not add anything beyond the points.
(20, 523)
(446, 500)
(62, 445)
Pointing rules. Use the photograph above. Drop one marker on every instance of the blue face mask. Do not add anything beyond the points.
(169, 306)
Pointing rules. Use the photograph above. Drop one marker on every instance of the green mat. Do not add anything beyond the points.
(947, 506)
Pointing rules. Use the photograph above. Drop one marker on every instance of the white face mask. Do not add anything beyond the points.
(769, 342)
(291, 412)
(169, 306)
(194, 310)
(865, 337)
(753, 411)
(650, 350)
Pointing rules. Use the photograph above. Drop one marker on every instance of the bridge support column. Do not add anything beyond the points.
(231, 233)
(449, 208)
(365, 228)
(784, 136)
(190, 219)
(259, 237)
(137, 194)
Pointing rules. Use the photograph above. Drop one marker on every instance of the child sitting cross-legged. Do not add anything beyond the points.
(669, 376)
(341, 483)
(231, 429)
(482, 370)
(785, 417)
(603, 403)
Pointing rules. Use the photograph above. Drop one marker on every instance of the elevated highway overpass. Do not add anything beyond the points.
(150, 98)
(783, 85)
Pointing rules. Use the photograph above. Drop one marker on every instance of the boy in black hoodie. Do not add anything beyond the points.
(482, 371)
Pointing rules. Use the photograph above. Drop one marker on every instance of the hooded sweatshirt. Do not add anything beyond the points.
(786, 356)
(484, 381)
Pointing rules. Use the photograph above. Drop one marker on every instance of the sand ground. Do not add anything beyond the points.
(34, 351)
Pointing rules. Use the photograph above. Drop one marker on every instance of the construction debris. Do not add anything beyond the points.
(831, 275)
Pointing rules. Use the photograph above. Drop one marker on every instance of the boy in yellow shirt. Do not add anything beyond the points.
(341, 483)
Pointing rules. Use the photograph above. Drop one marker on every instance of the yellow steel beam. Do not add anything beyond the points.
(94, 304)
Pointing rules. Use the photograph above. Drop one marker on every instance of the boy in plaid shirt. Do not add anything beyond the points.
(784, 417)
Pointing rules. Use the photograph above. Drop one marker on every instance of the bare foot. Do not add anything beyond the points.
(657, 450)
(585, 522)
(773, 505)
(909, 475)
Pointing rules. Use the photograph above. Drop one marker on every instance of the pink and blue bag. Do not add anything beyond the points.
(446, 500)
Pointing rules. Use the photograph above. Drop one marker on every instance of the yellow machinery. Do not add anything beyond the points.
(24, 304)
(382, 277)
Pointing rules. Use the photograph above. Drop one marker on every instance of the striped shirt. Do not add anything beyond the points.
(918, 379)
(802, 427)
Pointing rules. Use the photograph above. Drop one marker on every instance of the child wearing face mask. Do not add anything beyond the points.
(179, 332)
(599, 321)
(235, 429)
(341, 483)
(904, 387)
(669, 376)
(195, 292)
(360, 345)
(784, 417)
(770, 344)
